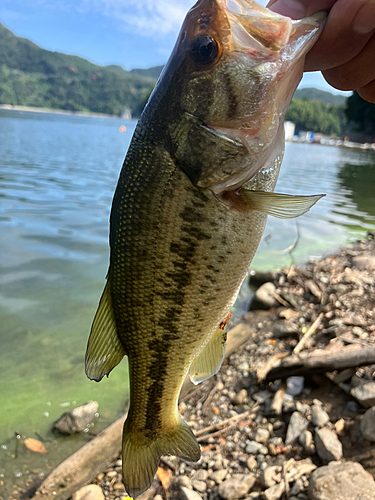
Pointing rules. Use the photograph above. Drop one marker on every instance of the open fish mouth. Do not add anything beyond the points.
(269, 49)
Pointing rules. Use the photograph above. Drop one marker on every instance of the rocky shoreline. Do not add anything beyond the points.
(309, 436)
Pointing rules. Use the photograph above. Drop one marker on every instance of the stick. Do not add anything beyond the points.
(223, 423)
(217, 433)
(320, 362)
(301, 344)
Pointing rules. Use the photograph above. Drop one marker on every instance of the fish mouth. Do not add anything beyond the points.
(276, 46)
(256, 27)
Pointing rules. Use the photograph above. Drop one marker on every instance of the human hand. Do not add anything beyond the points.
(345, 51)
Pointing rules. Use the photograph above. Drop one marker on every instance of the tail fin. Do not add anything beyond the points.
(141, 455)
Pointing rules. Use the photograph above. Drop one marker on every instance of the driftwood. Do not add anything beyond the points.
(83, 466)
(321, 361)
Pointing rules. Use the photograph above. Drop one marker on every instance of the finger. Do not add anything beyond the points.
(368, 92)
(357, 73)
(296, 9)
(342, 38)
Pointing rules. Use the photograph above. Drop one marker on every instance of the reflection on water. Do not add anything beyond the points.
(57, 176)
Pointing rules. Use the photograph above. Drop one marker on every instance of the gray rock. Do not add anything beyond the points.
(263, 298)
(364, 393)
(199, 475)
(270, 476)
(262, 396)
(328, 445)
(236, 486)
(186, 494)
(319, 417)
(295, 385)
(185, 481)
(362, 262)
(297, 424)
(305, 439)
(367, 425)
(275, 492)
(198, 485)
(218, 476)
(89, 492)
(253, 447)
(78, 419)
(341, 481)
(261, 435)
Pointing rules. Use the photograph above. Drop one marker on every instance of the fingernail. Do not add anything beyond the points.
(289, 8)
(364, 21)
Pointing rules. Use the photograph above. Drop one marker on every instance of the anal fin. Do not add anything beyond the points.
(104, 349)
(209, 360)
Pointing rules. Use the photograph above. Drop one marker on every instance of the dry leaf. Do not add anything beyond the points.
(165, 476)
(216, 410)
(35, 445)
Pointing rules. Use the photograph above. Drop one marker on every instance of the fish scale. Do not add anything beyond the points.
(188, 214)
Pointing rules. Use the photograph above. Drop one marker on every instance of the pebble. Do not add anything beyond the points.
(319, 417)
(200, 486)
(341, 481)
(186, 494)
(239, 398)
(158, 497)
(367, 425)
(263, 298)
(89, 492)
(306, 441)
(253, 447)
(185, 481)
(297, 424)
(262, 396)
(251, 463)
(236, 486)
(295, 385)
(199, 475)
(328, 445)
(364, 393)
(261, 435)
(218, 476)
(275, 492)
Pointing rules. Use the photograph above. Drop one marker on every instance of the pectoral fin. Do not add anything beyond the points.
(104, 349)
(283, 206)
(208, 362)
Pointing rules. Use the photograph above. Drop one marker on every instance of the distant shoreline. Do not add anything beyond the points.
(10, 107)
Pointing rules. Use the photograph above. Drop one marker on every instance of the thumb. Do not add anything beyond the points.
(296, 9)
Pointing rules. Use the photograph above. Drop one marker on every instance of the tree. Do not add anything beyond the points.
(361, 114)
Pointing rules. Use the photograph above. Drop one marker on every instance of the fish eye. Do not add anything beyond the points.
(204, 50)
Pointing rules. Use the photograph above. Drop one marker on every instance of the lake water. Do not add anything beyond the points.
(57, 177)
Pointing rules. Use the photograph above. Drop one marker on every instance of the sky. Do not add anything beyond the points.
(131, 33)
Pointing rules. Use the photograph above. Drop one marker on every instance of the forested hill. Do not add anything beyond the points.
(32, 76)
(313, 94)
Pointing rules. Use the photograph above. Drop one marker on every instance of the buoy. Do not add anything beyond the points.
(122, 129)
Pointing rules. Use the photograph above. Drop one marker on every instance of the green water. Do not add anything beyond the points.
(57, 176)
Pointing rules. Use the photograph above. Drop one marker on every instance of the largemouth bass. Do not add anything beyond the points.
(189, 211)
